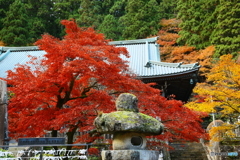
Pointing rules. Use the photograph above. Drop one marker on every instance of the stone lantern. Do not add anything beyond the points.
(129, 129)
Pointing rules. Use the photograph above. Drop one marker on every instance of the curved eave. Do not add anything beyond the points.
(175, 75)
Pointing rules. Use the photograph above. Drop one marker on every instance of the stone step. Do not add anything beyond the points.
(187, 151)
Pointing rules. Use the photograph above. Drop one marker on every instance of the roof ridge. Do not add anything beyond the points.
(4, 49)
(149, 40)
(179, 65)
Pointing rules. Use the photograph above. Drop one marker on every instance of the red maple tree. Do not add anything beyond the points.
(79, 76)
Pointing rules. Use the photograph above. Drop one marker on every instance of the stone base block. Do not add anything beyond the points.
(129, 155)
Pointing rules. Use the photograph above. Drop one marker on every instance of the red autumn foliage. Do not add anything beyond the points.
(93, 151)
(79, 76)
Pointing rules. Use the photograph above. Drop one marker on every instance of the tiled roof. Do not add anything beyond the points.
(144, 59)
(11, 58)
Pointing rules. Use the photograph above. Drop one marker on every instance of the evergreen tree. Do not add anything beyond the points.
(4, 6)
(110, 26)
(226, 36)
(15, 26)
(168, 9)
(66, 9)
(42, 18)
(210, 22)
(91, 13)
(197, 22)
(141, 19)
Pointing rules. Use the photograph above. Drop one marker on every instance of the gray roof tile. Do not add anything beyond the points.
(145, 59)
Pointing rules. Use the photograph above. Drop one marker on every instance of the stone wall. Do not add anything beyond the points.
(3, 110)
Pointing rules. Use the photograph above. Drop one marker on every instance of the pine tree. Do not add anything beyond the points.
(91, 13)
(226, 36)
(197, 22)
(110, 26)
(168, 9)
(3, 9)
(42, 18)
(15, 26)
(210, 22)
(66, 9)
(141, 19)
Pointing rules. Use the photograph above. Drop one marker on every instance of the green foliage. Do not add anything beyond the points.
(226, 36)
(3, 9)
(15, 30)
(121, 19)
(168, 9)
(197, 22)
(141, 19)
(91, 13)
(210, 22)
(42, 18)
(117, 19)
(64, 9)
(110, 28)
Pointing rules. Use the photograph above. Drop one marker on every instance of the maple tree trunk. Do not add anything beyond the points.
(54, 134)
(70, 137)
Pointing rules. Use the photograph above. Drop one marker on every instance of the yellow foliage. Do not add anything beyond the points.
(219, 133)
(221, 90)
(201, 107)
(220, 93)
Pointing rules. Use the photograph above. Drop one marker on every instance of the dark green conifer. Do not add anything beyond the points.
(226, 36)
(4, 6)
(91, 13)
(15, 30)
(168, 9)
(210, 22)
(66, 9)
(197, 22)
(141, 19)
(42, 19)
(110, 28)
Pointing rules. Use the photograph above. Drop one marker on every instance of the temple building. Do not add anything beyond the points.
(172, 78)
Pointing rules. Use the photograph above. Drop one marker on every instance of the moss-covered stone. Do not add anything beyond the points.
(127, 118)
(127, 102)
(127, 121)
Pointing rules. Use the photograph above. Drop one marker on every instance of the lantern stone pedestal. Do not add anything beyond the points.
(129, 129)
(130, 155)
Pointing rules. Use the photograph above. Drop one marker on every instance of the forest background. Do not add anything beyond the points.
(188, 31)
(200, 24)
